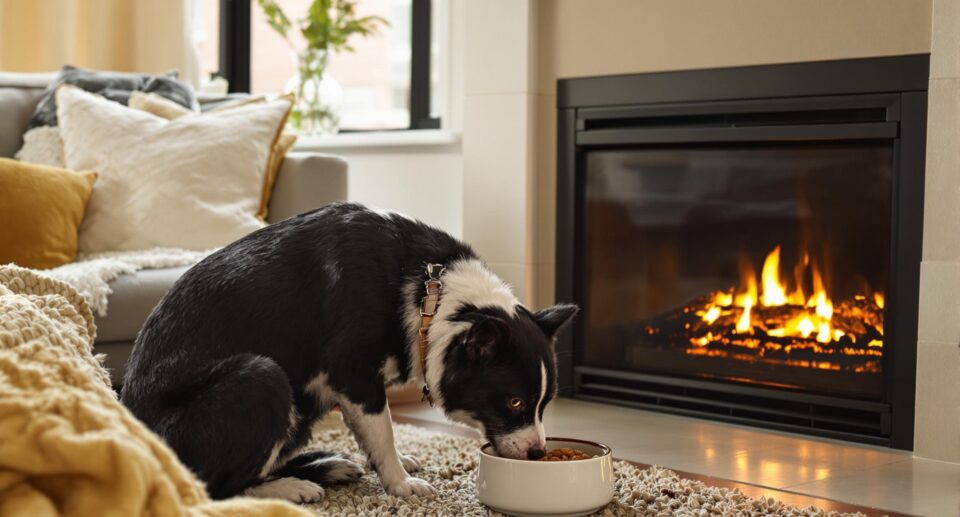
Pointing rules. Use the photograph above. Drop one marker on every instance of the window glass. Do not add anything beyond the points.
(375, 78)
(206, 36)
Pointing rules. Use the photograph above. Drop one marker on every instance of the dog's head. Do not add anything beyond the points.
(501, 372)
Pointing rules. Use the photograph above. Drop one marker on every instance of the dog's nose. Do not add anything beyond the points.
(535, 453)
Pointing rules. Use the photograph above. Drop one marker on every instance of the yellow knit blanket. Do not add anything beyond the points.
(67, 445)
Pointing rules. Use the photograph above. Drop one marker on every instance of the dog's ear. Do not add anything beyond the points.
(484, 336)
(553, 319)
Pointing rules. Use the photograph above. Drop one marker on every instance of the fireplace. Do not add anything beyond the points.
(745, 243)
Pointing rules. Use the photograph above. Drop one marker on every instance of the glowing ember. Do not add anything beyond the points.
(711, 315)
(779, 323)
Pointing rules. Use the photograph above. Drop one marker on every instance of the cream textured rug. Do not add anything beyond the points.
(450, 462)
(90, 274)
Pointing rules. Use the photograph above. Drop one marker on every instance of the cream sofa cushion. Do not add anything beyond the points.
(194, 182)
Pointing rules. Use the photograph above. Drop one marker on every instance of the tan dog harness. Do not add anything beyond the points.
(428, 309)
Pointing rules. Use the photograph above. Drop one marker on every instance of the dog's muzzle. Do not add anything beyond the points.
(527, 443)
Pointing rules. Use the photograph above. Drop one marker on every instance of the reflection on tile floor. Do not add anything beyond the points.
(918, 486)
(862, 475)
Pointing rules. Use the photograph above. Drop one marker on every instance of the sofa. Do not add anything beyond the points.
(306, 181)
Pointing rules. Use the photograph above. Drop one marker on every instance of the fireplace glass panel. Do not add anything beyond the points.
(758, 264)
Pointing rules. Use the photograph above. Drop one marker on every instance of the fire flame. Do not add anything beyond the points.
(813, 314)
(774, 293)
(778, 319)
(747, 301)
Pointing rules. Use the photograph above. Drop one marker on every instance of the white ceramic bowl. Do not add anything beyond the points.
(540, 488)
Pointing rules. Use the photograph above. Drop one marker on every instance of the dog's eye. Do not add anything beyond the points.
(516, 403)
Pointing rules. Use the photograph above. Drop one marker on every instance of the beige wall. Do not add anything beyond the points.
(582, 38)
(39, 36)
(938, 351)
(597, 37)
(498, 137)
(425, 182)
(124, 35)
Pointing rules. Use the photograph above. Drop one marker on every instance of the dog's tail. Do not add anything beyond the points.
(322, 467)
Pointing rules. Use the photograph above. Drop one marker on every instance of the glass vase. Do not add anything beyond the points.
(319, 101)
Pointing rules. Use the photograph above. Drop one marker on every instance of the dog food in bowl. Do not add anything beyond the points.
(565, 454)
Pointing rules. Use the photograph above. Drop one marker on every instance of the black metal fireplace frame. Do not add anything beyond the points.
(847, 99)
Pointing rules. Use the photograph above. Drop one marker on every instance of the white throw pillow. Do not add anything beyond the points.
(194, 182)
(42, 145)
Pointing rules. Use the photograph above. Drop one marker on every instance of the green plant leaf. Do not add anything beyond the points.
(330, 23)
(276, 18)
(316, 25)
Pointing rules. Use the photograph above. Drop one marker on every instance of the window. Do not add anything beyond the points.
(389, 82)
(206, 35)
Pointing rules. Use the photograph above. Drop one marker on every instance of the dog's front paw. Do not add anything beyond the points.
(411, 486)
(292, 489)
(410, 463)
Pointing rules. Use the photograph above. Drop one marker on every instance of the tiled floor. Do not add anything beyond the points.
(862, 475)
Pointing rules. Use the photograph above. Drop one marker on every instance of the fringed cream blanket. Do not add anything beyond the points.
(67, 446)
(91, 274)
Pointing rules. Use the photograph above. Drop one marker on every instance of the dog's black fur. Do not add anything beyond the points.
(232, 346)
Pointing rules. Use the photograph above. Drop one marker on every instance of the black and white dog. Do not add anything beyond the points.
(262, 338)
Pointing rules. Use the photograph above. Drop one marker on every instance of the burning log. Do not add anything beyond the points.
(774, 325)
(856, 344)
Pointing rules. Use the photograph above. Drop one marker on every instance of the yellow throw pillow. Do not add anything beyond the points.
(41, 209)
(162, 107)
(283, 143)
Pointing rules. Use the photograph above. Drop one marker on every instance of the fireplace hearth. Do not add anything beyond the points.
(745, 243)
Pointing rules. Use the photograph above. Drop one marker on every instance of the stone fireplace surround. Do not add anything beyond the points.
(519, 48)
